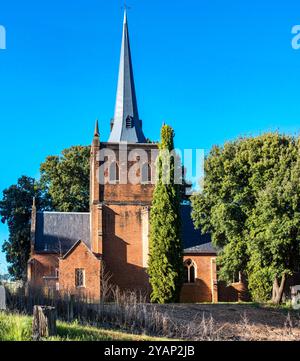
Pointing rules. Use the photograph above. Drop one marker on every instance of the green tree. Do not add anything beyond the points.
(64, 186)
(66, 179)
(15, 211)
(166, 255)
(275, 230)
(236, 202)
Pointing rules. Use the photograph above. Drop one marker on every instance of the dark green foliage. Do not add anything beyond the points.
(15, 211)
(251, 205)
(275, 225)
(66, 179)
(166, 255)
(64, 186)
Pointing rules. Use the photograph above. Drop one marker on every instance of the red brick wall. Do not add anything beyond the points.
(80, 257)
(122, 246)
(201, 290)
(235, 292)
(122, 240)
(42, 265)
(120, 194)
(129, 192)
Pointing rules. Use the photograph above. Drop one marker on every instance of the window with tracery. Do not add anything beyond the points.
(79, 277)
(189, 271)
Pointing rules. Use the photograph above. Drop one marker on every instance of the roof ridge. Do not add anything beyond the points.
(55, 212)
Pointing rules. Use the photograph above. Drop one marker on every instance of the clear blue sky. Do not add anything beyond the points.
(212, 69)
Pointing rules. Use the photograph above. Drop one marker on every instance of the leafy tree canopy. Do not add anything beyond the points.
(250, 205)
(66, 179)
(15, 210)
(64, 186)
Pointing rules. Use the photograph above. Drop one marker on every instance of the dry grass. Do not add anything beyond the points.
(248, 331)
(126, 311)
(239, 322)
(129, 312)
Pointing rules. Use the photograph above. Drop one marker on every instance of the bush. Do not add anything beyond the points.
(260, 285)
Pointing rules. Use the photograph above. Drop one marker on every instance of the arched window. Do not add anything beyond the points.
(114, 173)
(146, 173)
(189, 271)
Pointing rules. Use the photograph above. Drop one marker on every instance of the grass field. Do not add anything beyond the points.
(18, 328)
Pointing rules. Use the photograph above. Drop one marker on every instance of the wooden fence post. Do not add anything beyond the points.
(71, 308)
(44, 322)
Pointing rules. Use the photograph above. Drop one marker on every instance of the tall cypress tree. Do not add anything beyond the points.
(166, 253)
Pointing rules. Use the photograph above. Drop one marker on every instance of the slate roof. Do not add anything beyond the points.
(193, 240)
(58, 232)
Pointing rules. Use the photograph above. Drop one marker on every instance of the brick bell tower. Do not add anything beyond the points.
(120, 208)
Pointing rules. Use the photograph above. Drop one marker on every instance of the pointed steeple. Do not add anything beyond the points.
(127, 125)
(96, 132)
(96, 138)
(125, 16)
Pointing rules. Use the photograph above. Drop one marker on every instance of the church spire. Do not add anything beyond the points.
(125, 16)
(96, 138)
(96, 132)
(127, 125)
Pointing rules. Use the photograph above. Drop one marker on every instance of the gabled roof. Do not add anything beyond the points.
(193, 240)
(57, 232)
(201, 248)
(127, 126)
(75, 246)
(61, 232)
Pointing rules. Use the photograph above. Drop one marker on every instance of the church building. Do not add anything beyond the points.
(69, 249)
